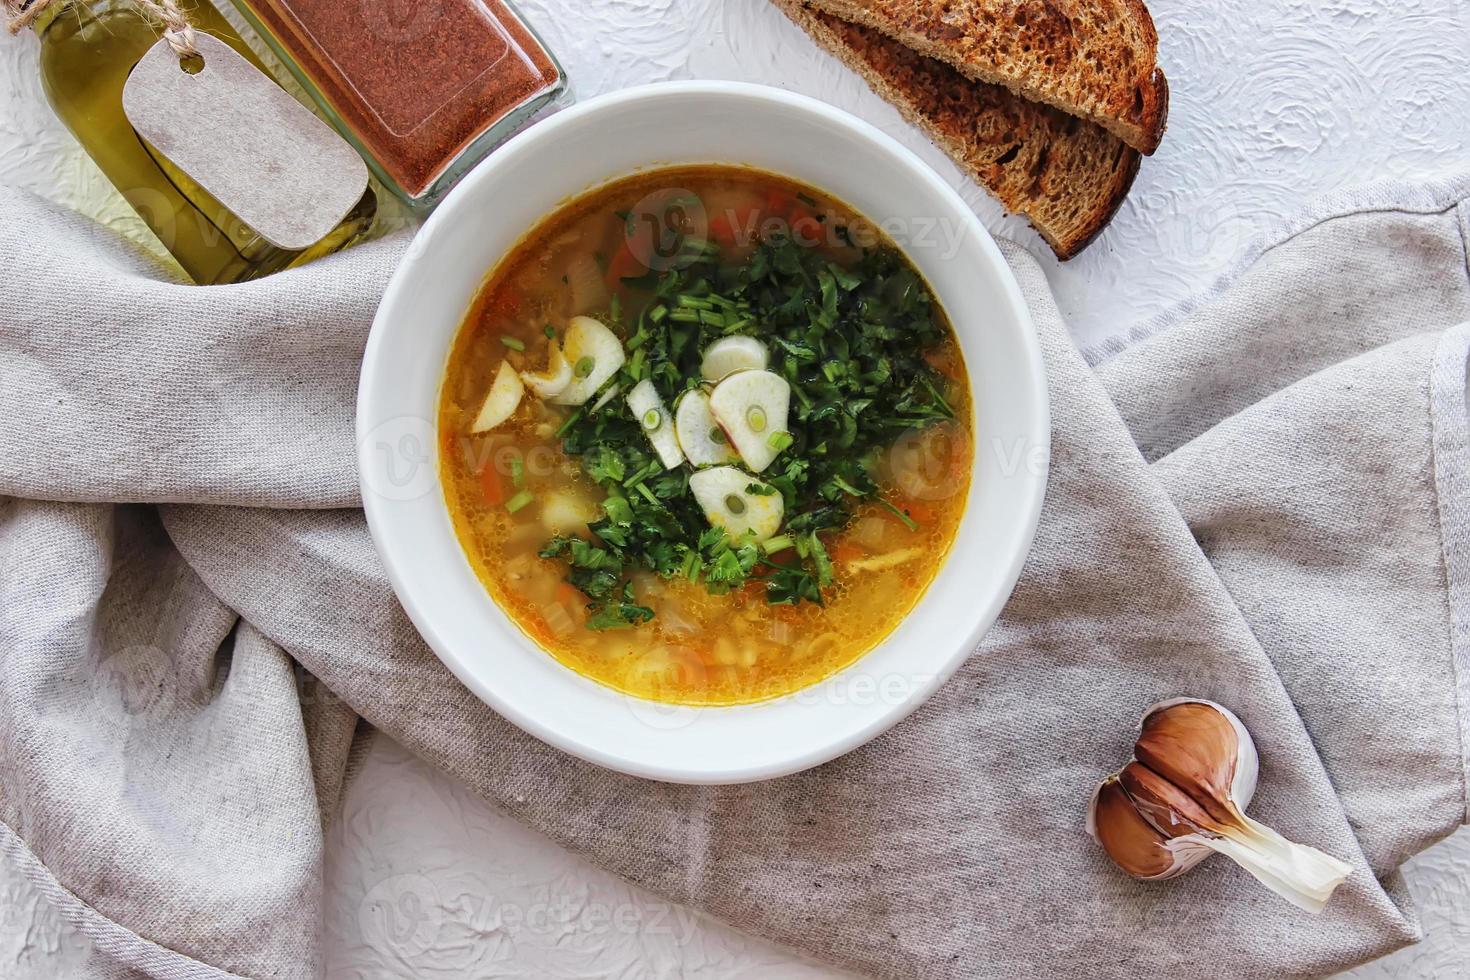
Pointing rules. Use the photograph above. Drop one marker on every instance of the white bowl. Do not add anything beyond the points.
(608, 138)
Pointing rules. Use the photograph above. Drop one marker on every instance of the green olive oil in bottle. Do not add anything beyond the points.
(88, 50)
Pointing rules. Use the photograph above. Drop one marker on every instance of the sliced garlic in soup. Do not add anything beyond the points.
(653, 418)
(588, 288)
(700, 436)
(605, 397)
(594, 354)
(502, 401)
(724, 357)
(891, 560)
(752, 407)
(724, 496)
(555, 379)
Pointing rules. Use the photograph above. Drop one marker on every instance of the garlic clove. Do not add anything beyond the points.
(1204, 750)
(723, 493)
(1166, 807)
(700, 437)
(555, 379)
(731, 354)
(608, 394)
(752, 407)
(1132, 843)
(653, 417)
(502, 401)
(594, 354)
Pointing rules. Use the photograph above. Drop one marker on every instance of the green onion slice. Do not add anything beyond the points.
(652, 419)
(908, 521)
(781, 543)
(735, 504)
(520, 501)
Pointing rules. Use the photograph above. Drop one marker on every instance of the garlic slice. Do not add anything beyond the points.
(501, 403)
(730, 354)
(555, 379)
(588, 288)
(594, 354)
(879, 563)
(723, 495)
(653, 418)
(700, 436)
(606, 397)
(752, 407)
(1194, 772)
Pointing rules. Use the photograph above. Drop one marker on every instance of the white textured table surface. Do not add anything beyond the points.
(1274, 101)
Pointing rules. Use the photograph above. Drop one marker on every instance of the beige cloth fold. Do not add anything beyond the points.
(1291, 541)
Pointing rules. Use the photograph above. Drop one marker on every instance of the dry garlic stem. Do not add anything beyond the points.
(1184, 798)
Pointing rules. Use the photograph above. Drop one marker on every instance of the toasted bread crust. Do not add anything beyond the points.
(1096, 59)
(1067, 176)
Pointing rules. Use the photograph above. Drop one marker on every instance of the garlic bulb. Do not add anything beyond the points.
(1183, 798)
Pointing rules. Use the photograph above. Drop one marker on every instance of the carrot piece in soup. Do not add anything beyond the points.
(506, 304)
(624, 265)
(918, 510)
(492, 485)
(779, 203)
(722, 230)
(805, 228)
(737, 226)
(537, 628)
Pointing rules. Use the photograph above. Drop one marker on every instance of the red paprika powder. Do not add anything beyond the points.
(424, 88)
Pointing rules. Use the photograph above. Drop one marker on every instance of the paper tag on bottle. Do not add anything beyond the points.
(246, 141)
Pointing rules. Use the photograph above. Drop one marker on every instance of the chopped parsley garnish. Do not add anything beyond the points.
(850, 340)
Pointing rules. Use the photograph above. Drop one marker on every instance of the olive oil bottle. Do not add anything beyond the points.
(88, 50)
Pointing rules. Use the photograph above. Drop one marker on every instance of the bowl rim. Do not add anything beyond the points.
(378, 517)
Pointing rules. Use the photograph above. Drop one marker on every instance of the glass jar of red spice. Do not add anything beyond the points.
(423, 88)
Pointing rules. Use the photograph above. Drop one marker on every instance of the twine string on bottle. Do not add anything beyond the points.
(177, 30)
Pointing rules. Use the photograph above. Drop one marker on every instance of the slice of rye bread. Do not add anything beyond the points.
(1067, 176)
(1091, 58)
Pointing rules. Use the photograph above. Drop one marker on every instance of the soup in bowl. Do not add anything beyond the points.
(702, 432)
(705, 435)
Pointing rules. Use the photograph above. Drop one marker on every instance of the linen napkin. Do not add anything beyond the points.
(1260, 498)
